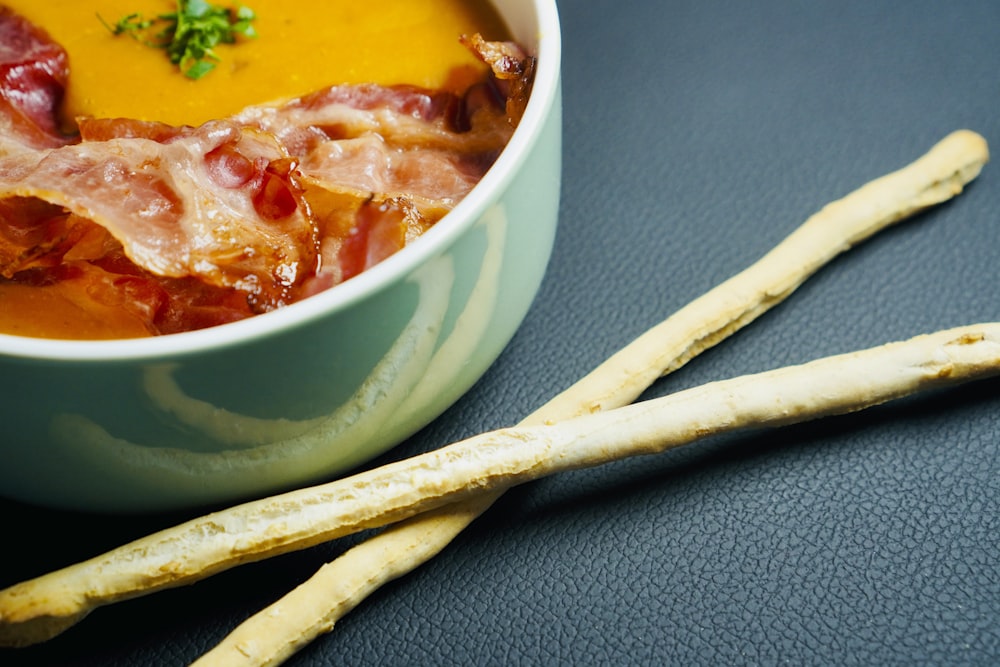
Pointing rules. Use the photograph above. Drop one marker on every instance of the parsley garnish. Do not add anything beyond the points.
(190, 34)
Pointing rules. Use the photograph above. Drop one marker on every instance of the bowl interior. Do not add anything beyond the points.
(534, 24)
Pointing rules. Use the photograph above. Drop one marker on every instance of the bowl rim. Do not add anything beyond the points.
(388, 272)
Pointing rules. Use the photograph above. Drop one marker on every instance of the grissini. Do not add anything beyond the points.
(38, 609)
(281, 629)
(499, 459)
(505, 457)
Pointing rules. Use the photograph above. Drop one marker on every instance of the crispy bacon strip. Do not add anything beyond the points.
(33, 74)
(513, 71)
(219, 203)
(390, 142)
(402, 153)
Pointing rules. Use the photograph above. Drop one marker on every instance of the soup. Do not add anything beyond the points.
(295, 52)
(333, 221)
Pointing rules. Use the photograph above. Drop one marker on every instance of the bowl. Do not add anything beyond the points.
(309, 391)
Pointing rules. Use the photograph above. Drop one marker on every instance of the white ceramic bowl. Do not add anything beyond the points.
(306, 392)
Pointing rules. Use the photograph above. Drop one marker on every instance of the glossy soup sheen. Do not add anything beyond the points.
(296, 52)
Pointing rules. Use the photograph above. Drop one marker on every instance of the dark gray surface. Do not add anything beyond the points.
(697, 135)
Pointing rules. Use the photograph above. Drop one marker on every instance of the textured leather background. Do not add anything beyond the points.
(697, 134)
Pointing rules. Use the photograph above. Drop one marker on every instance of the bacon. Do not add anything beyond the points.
(400, 152)
(389, 141)
(33, 75)
(103, 129)
(163, 305)
(513, 71)
(402, 115)
(434, 179)
(219, 203)
(380, 230)
(198, 226)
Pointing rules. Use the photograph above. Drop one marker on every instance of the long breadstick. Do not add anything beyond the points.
(278, 631)
(499, 459)
(793, 394)
(38, 609)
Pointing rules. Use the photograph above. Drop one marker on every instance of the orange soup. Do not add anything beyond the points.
(299, 48)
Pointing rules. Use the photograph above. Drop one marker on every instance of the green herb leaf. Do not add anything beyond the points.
(190, 34)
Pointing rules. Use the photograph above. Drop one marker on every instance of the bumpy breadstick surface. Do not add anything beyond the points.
(271, 636)
(40, 608)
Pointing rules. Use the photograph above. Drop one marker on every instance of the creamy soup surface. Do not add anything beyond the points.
(300, 47)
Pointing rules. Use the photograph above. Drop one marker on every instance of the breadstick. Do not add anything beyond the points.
(40, 608)
(278, 631)
(502, 458)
